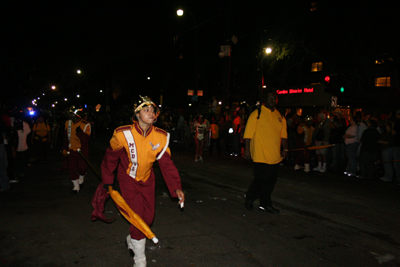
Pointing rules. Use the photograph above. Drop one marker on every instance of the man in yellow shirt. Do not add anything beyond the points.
(264, 136)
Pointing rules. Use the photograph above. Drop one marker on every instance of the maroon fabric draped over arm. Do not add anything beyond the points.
(109, 164)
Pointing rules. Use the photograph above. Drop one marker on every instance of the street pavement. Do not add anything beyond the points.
(325, 220)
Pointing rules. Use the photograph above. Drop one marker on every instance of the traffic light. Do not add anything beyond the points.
(328, 84)
(342, 89)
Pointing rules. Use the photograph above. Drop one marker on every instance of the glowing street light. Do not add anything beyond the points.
(78, 96)
(78, 71)
(65, 99)
(180, 13)
(268, 50)
(53, 87)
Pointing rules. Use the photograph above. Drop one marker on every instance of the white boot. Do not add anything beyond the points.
(76, 186)
(296, 167)
(319, 167)
(307, 167)
(138, 247)
(81, 179)
(323, 169)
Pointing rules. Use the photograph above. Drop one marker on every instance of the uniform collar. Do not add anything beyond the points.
(140, 130)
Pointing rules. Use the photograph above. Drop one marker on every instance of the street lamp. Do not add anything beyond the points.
(261, 55)
(180, 13)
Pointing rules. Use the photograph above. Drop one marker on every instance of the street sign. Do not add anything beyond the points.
(334, 101)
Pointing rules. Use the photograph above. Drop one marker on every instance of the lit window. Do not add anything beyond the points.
(313, 6)
(190, 92)
(316, 66)
(380, 61)
(382, 82)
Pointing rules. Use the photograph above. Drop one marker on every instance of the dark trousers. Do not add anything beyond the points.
(303, 157)
(368, 167)
(21, 160)
(77, 165)
(265, 176)
(216, 142)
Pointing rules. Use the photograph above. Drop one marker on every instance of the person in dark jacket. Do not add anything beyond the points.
(369, 152)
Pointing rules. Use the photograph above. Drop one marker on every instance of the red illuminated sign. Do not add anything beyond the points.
(295, 91)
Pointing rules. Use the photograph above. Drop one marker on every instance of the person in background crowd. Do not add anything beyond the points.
(293, 122)
(387, 152)
(305, 132)
(338, 128)
(200, 130)
(214, 105)
(41, 134)
(214, 129)
(67, 127)
(4, 181)
(396, 148)
(11, 147)
(322, 135)
(263, 139)
(223, 135)
(369, 153)
(236, 126)
(352, 143)
(180, 128)
(206, 134)
(23, 130)
(77, 136)
(133, 150)
(186, 133)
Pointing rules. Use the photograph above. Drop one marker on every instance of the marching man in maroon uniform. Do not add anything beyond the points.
(133, 150)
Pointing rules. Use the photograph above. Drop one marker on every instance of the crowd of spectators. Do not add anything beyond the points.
(359, 145)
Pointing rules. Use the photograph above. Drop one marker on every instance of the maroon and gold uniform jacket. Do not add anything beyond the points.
(74, 140)
(134, 154)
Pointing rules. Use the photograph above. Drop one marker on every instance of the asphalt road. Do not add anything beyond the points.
(325, 219)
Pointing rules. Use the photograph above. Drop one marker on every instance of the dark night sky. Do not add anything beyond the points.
(45, 40)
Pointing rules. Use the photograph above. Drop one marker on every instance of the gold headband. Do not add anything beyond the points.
(147, 102)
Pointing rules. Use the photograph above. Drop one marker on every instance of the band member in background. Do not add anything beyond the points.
(77, 136)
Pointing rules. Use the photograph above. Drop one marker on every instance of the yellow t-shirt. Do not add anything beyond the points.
(266, 134)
